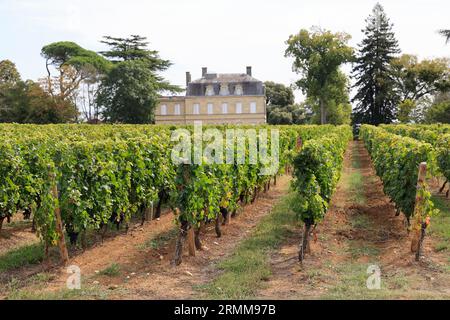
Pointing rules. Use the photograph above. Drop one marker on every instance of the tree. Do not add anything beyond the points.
(317, 57)
(405, 110)
(277, 94)
(415, 79)
(278, 116)
(8, 73)
(339, 108)
(27, 102)
(77, 68)
(376, 96)
(446, 34)
(279, 100)
(9, 77)
(130, 91)
(438, 112)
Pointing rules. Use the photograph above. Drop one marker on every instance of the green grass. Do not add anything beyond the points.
(356, 187)
(64, 294)
(440, 224)
(354, 182)
(111, 271)
(363, 250)
(26, 255)
(161, 240)
(246, 270)
(21, 224)
(360, 221)
(352, 283)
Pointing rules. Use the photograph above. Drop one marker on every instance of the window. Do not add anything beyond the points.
(163, 110)
(209, 90)
(238, 107)
(252, 107)
(224, 91)
(238, 90)
(196, 108)
(177, 109)
(224, 108)
(210, 108)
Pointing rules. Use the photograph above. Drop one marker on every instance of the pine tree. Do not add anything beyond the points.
(376, 97)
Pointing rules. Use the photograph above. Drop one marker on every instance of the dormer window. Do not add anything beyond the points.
(224, 91)
(238, 91)
(209, 90)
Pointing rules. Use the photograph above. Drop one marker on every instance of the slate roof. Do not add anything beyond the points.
(225, 77)
(250, 85)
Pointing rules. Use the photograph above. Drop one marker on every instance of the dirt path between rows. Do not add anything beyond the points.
(360, 229)
(16, 236)
(143, 257)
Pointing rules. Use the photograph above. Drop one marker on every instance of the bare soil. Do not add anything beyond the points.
(145, 263)
(352, 237)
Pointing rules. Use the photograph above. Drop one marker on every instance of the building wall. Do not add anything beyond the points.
(187, 115)
(170, 117)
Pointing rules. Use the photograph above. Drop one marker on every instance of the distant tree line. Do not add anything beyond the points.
(121, 84)
(389, 86)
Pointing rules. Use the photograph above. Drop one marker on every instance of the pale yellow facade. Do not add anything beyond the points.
(211, 110)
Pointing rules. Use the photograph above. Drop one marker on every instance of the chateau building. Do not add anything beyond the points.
(216, 99)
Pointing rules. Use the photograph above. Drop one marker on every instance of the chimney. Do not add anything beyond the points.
(249, 71)
(188, 78)
(204, 71)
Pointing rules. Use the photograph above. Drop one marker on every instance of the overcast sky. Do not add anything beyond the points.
(225, 36)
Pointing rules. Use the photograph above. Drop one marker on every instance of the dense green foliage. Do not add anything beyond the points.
(437, 135)
(317, 169)
(129, 92)
(318, 56)
(27, 102)
(110, 173)
(396, 160)
(8, 73)
(281, 107)
(376, 97)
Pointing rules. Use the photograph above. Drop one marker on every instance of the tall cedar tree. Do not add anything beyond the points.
(130, 91)
(376, 98)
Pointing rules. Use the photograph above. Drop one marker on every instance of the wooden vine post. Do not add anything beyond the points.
(191, 241)
(419, 223)
(59, 226)
(186, 230)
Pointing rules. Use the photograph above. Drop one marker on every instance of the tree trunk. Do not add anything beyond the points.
(275, 180)
(218, 231)
(198, 243)
(255, 194)
(144, 216)
(179, 244)
(323, 114)
(443, 186)
(59, 227)
(83, 239)
(1, 222)
(158, 209)
(304, 245)
(418, 224)
(225, 216)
